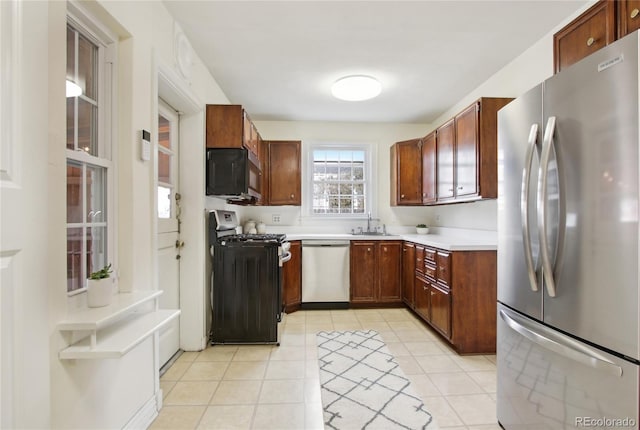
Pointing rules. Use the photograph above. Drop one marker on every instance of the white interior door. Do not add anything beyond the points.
(168, 219)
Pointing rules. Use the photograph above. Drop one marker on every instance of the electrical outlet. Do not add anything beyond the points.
(275, 219)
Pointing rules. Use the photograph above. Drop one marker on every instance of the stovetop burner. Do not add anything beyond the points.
(277, 238)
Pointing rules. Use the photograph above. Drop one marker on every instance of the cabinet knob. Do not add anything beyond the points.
(425, 287)
(634, 13)
(385, 249)
(450, 190)
(368, 249)
(292, 196)
(433, 293)
(402, 196)
(460, 187)
(424, 194)
(590, 41)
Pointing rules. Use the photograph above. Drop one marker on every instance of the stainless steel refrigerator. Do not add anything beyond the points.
(568, 272)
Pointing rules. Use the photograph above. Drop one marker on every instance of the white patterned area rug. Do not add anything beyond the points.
(363, 386)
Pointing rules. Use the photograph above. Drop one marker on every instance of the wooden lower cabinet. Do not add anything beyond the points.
(376, 272)
(440, 308)
(422, 297)
(292, 279)
(457, 296)
(408, 273)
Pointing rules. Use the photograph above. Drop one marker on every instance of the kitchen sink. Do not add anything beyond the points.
(370, 233)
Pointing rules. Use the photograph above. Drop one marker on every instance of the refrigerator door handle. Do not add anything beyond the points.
(562, 345)
(547, 145)
(524, 206)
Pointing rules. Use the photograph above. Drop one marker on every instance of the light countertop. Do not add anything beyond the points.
(444, 238)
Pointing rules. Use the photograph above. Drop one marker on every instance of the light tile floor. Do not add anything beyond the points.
(271, 387)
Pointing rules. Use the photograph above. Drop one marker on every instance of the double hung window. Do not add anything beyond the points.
(340, 180)
(89, 155)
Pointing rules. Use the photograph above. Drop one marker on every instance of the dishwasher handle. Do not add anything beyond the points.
(325, 243)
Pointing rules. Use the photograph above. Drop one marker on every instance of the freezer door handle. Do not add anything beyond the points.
(547, 145)
(560, 344)
(524, 206)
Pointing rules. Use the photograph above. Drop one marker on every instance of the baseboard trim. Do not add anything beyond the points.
(146, 414)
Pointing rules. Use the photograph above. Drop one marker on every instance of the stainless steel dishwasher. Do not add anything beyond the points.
(325, 274)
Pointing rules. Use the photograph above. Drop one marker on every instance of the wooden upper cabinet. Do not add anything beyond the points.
(225, 126)
(445, 147)
(284, 177)
(594, 29)
(628, 16)
(467, 151)
(406, 173)
(229, 126)
(429, 168)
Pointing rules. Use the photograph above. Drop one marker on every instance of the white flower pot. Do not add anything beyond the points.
(422, 230)
(99, 292)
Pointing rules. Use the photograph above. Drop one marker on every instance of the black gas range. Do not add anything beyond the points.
(246, 282)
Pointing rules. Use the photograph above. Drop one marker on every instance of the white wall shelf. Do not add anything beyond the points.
(117, 339)
(115, 329)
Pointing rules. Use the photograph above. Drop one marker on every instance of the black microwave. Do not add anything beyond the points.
(232, 173)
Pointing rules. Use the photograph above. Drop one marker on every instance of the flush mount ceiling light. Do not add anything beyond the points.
(356, 88)
(73, 89)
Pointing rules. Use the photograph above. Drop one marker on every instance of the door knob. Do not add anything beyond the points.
(634, 13)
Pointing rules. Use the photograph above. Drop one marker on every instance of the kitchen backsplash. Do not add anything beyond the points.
(477, 216)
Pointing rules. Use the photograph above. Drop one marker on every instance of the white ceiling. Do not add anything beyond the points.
(279, 58)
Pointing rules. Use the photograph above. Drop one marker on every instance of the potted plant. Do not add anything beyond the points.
(100, 287)
(422, 229)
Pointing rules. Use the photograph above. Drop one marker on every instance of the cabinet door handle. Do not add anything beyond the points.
(450, 190)
(634, 13)
(590, 41)
(425, 288)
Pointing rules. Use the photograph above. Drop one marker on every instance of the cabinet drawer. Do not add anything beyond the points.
(444, 268)
(430, 255)
(430, 271)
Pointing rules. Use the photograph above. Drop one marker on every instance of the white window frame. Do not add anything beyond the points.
(83, 22)
(370, 159)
